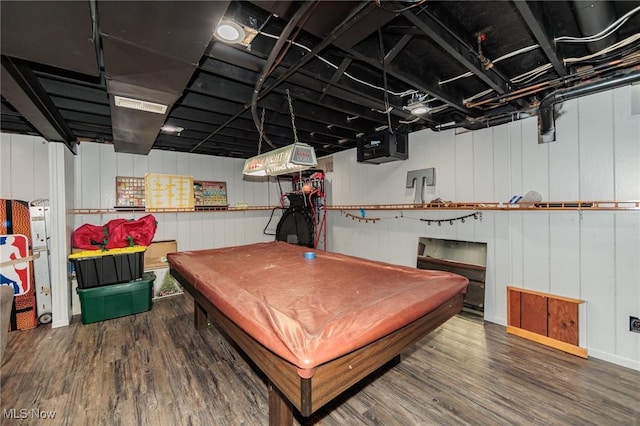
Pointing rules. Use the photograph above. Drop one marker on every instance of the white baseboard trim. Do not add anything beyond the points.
(60, 323)
(615, 359)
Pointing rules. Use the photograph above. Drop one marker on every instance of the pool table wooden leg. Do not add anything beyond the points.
(199, 317)
(280, 409)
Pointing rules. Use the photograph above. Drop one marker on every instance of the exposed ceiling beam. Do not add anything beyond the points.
(537, 22)
(233, 87)
(336, 75)
(391, 54)
(457, 50)
(21, 88)
(431, 87)
(358, 13)
(240, 65)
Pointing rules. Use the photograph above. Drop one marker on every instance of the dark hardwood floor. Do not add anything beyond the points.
(155, 369)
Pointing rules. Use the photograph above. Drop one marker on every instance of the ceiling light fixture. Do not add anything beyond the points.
(167, 128)
(418, 104)
(289, 159)
(418, 109)
(230, 32)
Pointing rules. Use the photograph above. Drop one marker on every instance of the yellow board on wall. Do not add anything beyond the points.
(168, 191)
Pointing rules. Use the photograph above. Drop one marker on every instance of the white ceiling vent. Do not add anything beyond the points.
(140, 105)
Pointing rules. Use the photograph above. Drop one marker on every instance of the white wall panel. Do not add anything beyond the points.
(516, 250)
(24, 174)
(483, 168)
(88, 164)
(485, 232)
(596, 146)
(124, 165)
(626, 148)
(515, 165)
(107, 170)
(6, 170)
(41, 168)
(23, 179)
(501, 172)
(499, 268)
(464, 168)
(597, 276)
(535, 250)
(564, 253)
(445, 164)
(627, 289)
(564, 155)
(535, 161)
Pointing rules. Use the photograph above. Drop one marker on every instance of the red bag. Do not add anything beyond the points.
(89, 237)
(128, 233)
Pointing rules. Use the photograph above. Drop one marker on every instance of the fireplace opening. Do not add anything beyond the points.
(465, 258)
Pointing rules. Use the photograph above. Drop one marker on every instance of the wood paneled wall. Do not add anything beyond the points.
(590, 255)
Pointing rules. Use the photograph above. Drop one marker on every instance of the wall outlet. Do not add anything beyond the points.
(634, 324)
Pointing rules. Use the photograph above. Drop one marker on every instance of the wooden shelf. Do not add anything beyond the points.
(541, 206)
(145, 211)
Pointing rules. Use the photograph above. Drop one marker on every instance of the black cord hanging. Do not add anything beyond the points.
(474, 215)
(363, 218)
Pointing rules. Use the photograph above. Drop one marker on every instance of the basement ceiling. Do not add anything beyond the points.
(351, 69)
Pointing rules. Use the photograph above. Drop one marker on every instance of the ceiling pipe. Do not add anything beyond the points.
(482, 123)
(593, 17)
(546, 119)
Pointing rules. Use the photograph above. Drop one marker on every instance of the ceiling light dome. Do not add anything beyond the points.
(230, 32)
(419, 110)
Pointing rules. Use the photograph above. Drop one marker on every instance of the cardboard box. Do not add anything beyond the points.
(156, 255)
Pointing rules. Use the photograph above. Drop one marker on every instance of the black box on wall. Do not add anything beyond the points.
(382, 148)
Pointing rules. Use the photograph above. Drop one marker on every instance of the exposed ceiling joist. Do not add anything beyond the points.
(428, 85)
(538, 23)
(460, 52)
(22, 89)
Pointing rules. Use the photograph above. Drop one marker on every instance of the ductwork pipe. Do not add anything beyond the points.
(593, 17)
(546, 119)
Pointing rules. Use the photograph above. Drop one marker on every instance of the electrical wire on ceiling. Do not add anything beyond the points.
(627, 61)
(535, 73)
(562, 39)
(405, 93)
(404, 9)
(622, 43)
(524, 78)
(602, 34)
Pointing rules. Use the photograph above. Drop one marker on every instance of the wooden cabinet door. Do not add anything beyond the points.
(533, 313)
(563, 321)
(513, 309)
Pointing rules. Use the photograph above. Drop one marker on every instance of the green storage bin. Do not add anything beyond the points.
(116, 300)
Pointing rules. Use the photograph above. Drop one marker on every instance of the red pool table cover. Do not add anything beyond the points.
(312, 311)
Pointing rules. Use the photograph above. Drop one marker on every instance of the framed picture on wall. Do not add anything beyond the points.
(129, 192)
(210, 194)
